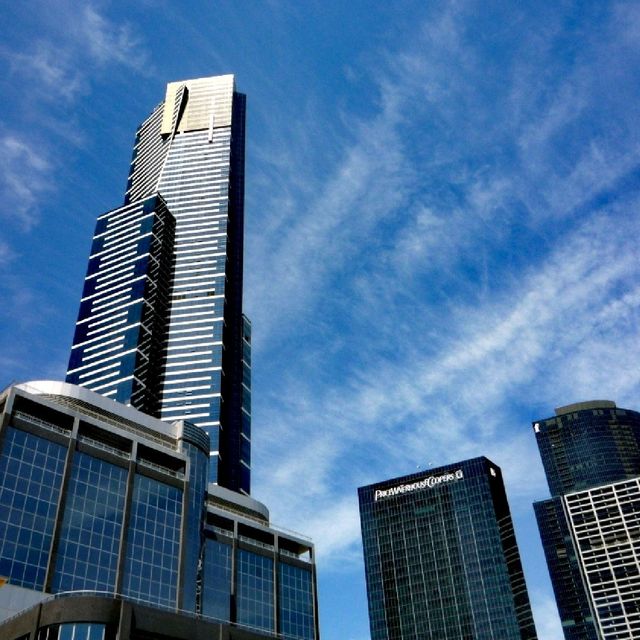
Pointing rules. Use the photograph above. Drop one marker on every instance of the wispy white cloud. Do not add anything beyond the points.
(6, 253)
(24, 177)
(545, 612)
(109, 42)
(46, 75)
(47, 71)
(543, 342)
(457, 280)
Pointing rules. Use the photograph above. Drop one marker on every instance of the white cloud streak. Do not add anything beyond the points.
(24, 177)
(467, 340)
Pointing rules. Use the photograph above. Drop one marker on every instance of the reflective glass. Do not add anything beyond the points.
(30, 481)
(254, 586)
(87, 556)
(296, 602)
(193, 539)
(216, 587)
(153, 542)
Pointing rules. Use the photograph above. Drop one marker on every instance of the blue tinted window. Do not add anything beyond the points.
(296, 602)
(254, 585)
(87, 555)
(30, 480)
(216, 588)
(197, 495)
(73, 631)
(153, 542)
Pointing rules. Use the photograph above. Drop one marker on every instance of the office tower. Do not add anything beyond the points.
(105, 503)
(441, 557)
(590, 527)
(160, 325)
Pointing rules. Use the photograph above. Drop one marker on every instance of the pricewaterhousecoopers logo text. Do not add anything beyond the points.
(427, 483)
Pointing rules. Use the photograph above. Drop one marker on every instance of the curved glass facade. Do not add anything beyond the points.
(93, 501)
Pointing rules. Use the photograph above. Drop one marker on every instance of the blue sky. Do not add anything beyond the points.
(441, 238)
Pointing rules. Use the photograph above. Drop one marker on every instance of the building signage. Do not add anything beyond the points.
(427, 483)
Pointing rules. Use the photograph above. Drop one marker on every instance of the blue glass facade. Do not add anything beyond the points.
(89, 539)
(153, 542)
(98, 498)
(121, 332)
(296, 610)
(255, 590)
(217, 579)
(197, 451)
(441, 558)
(160, 325)
(127, 483)
(30, 481)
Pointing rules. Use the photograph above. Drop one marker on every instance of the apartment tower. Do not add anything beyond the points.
(590, 527)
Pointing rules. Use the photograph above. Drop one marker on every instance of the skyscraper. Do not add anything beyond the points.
(590, 527)
(441, 557)
(124, 506)
(160, 325)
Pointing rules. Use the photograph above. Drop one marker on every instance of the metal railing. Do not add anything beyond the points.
(160, 468)
(105, 447)
(42, 423)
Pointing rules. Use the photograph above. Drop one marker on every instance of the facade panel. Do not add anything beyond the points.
(605, 522)
(91, 529)
(153, 542)
(30, 481)
(255, 596)
(99, 498)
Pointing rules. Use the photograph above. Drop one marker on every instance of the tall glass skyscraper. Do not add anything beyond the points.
(160, 325)
(590, 527)
(124, 506)
(441, 557)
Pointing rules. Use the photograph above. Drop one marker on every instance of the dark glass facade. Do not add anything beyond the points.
(564, 567)
(160, 325)
(584, 445)
(588, 444)
(121, 332)
(441, 558)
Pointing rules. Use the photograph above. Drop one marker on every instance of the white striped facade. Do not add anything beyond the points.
(183, 150)
(605, 524)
